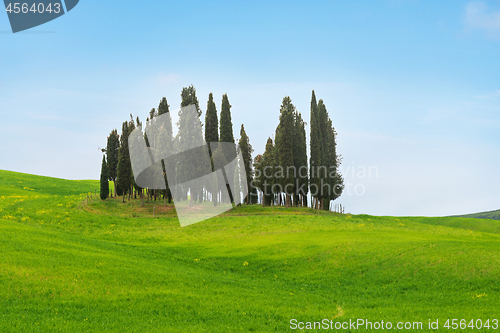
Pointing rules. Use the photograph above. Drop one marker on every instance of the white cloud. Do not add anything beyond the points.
(479, 16)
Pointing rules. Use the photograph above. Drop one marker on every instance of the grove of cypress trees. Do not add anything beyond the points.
(104, 179)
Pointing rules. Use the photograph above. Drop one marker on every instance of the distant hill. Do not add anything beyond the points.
(492, 215)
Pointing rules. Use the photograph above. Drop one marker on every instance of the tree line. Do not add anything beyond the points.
(279, 176)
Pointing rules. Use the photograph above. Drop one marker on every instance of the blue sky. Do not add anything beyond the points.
(412, 87)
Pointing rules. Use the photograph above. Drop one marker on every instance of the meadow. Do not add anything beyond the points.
(73, 264)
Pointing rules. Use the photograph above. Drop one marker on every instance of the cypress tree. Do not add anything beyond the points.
(211, 135)
(300, 160)
(188, 96)
(226, 125)
(112, 147)
(237, 185)
(323, 167)
(190, 135)
(163, 108)
(211, 121)
(124, 169)
(284, 144)
(104, 179)
(226, 135)
(246, 151)
(253, 194)
(266, 175)
(336, 180)
(257, 180)
(324, 162)
(131, 127)
(151, 142)
(315, 151)
(165, 142)
(144, 155)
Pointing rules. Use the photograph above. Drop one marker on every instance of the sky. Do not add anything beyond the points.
(412, 87)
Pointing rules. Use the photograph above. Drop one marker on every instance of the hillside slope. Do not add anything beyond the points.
(492, 215)
(72, 266)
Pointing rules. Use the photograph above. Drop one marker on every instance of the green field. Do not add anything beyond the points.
(72, 266)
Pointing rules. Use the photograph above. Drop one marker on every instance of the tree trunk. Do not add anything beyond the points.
(142, 198)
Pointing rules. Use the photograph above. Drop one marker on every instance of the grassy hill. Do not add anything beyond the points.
(72, 266)
(492, 215)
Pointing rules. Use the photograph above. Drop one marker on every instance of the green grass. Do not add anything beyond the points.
(111, 267)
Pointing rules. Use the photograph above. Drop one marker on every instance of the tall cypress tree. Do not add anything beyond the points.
(211, 121)
(104, 180)
(336, 180)
(211, 135)
(246, 151)
(135, 152)
(188, 96)
(300, 160)
(323, 167)
(226, 125)
(131, 127)
(124, 170)
(257, 166)
(163, 108)
(112, 147)
(151, 142)
(315, 151)
(266, 178)
(190, 135)
(284, 144)
(226, 135)
(325, 179)
(165, 141)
